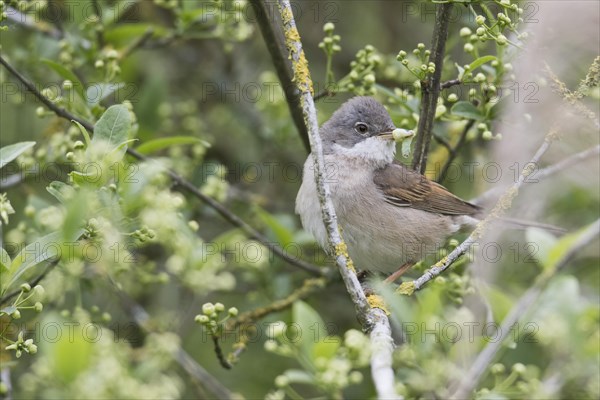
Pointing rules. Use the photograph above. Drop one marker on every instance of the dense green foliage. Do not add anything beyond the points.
(110, 268)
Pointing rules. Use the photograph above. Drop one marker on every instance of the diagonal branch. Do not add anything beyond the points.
(471, 378)
(179, 180)
(373, 319)
(503, 204)
(185, 361)
(430, 89)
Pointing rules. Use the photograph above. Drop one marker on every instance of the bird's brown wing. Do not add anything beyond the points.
(403, 187)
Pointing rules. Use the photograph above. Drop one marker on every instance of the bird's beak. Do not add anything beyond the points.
(387, 134)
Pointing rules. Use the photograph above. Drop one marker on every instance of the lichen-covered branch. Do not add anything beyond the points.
(373, 319)
(274, 41)
(503, 204)
(430, 88)
(477, 369)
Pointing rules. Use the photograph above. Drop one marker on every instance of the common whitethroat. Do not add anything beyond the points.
(390, 215)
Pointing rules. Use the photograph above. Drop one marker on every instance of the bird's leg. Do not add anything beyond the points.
(393, 277)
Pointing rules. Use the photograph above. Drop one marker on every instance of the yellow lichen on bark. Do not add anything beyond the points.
(376, 301)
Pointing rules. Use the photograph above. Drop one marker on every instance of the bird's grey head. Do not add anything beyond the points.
(361, 128)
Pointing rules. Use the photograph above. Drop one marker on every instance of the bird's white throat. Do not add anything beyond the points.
(373, 150)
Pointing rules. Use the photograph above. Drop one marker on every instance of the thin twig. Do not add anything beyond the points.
(179, 180)
(450, 83)
(309, 287)
(544, 173)
(469, 380)
(33, 283)
(137, 44)
(430, 89)
(373, 319)
(273, 38)
(503, 204)
(189, 365)
(453, 151)
(99, 25)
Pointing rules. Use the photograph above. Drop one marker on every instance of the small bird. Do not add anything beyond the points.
(390, 215)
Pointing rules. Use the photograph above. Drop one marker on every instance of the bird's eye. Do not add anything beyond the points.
(361, 128)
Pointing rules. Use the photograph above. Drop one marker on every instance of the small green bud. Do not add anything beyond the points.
(468, 48)
(464, 32)
(112, 54)
(26, 287)
(70, 156)
(336, 48)
(233, 312)
(106, 317)
(482, 126)
(370, 79)
(401, 55)
(452, 98)
(355, 377)
(501, 40)
(78, 145)
(282, 381)
(327, 40)
(487, 135)
(39, 290)
(194, 225)
(201, 319)
(208, 309)
(38, 307)
(67, 85)
(219, 307)
(16, 314)
(519, 368)
(480, 20)
(480, 31)
(270, 345)
(453, 243)
(421, 46)
(328, 27)
(404, 62)
(32, 349)
(480, 77)
(29, 211)
(99, 64)
(40, 111)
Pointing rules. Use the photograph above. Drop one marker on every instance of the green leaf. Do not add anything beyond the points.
(283, 235)
(95, 93)
(10, 152)
(311, 327)
(34, 253)
(564, 245)
(70, 354)
(67, 74)
(327, 348)
(500, 302)
(154, 145)
(544, 242)
(61, 191)
(113, 126)
(466, 110)
(480, 61)
(5, 260)
(84, 132)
